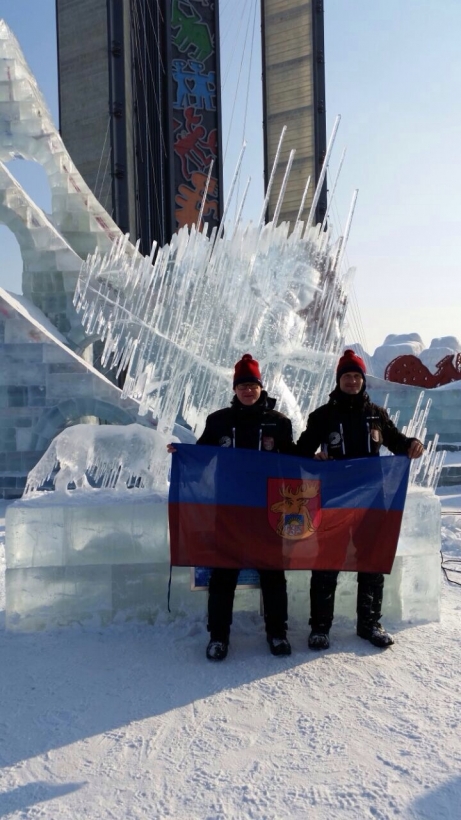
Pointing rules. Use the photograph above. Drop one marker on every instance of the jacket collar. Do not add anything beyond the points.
(264, 402)
(345, 400)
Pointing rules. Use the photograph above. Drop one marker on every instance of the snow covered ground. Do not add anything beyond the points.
(133, 722)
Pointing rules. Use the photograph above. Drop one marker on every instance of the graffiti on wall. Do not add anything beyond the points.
(409, 369)
(195, 111)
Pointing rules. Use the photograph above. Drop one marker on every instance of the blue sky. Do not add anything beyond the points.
(394, 75)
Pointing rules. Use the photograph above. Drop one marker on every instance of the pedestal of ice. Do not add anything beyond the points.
(413, 589)
(97, 556)
(101, 556)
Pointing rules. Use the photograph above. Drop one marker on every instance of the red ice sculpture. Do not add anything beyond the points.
(409, 369)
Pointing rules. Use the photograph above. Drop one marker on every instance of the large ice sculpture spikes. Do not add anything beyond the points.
(178, 324)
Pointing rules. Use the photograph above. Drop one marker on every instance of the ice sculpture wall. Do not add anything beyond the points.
(44, 387)
(98, 557)
(445, 415)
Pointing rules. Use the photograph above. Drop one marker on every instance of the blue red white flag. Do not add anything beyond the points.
(243, 508)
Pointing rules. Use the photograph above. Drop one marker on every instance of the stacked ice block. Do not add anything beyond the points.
(100, 556)
(82, 558)
(412, 591)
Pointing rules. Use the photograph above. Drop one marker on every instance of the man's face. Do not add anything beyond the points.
(248, 393)
(351, 383)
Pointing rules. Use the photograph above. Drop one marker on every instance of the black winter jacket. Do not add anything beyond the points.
(256, 427)
(351, 427)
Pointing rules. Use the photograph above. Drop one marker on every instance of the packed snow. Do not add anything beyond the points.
(133, 722)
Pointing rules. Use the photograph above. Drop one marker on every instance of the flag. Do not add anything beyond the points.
(242, 508)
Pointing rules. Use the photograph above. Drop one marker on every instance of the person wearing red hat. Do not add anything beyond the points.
(252, 423)
(350, 426)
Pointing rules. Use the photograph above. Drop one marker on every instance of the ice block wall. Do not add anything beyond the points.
(413, 589)
(90, 559)
(44, 387)
(85, 558)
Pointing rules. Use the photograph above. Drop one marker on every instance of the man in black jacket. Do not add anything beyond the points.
(252, 423)
(351, 426)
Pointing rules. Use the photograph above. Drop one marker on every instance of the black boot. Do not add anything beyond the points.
(323, 587)
(369, 602)
(374, 633)
(220, 602)
(217, 650)
(319, 638)
(279, 645)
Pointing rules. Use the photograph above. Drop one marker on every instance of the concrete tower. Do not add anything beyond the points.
(294, 95)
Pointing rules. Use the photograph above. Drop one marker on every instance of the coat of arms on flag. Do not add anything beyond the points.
(293, 507)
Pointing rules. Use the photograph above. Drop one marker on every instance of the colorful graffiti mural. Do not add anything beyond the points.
(196, 111)
(410, 370)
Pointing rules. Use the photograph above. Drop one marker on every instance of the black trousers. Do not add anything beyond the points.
(370, 587)
(221, 601)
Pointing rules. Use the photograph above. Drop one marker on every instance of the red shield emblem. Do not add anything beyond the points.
(293, 507)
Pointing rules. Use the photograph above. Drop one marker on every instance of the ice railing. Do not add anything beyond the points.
(177, 321)
(425, 471)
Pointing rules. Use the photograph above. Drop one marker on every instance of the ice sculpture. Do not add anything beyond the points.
(85, 558)
(425, 471)
(177, 321)
(178, 324)
(96, 555)
(50, 264)
(52, 247)
(28, 132)
(109, 456)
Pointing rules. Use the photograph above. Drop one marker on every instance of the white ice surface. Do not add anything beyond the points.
(132, 723)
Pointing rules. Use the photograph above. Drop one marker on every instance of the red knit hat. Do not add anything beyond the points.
(247, 370)
(350, 363)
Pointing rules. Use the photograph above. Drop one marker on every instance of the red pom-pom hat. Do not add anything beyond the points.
(247, 370)
(350, 363)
